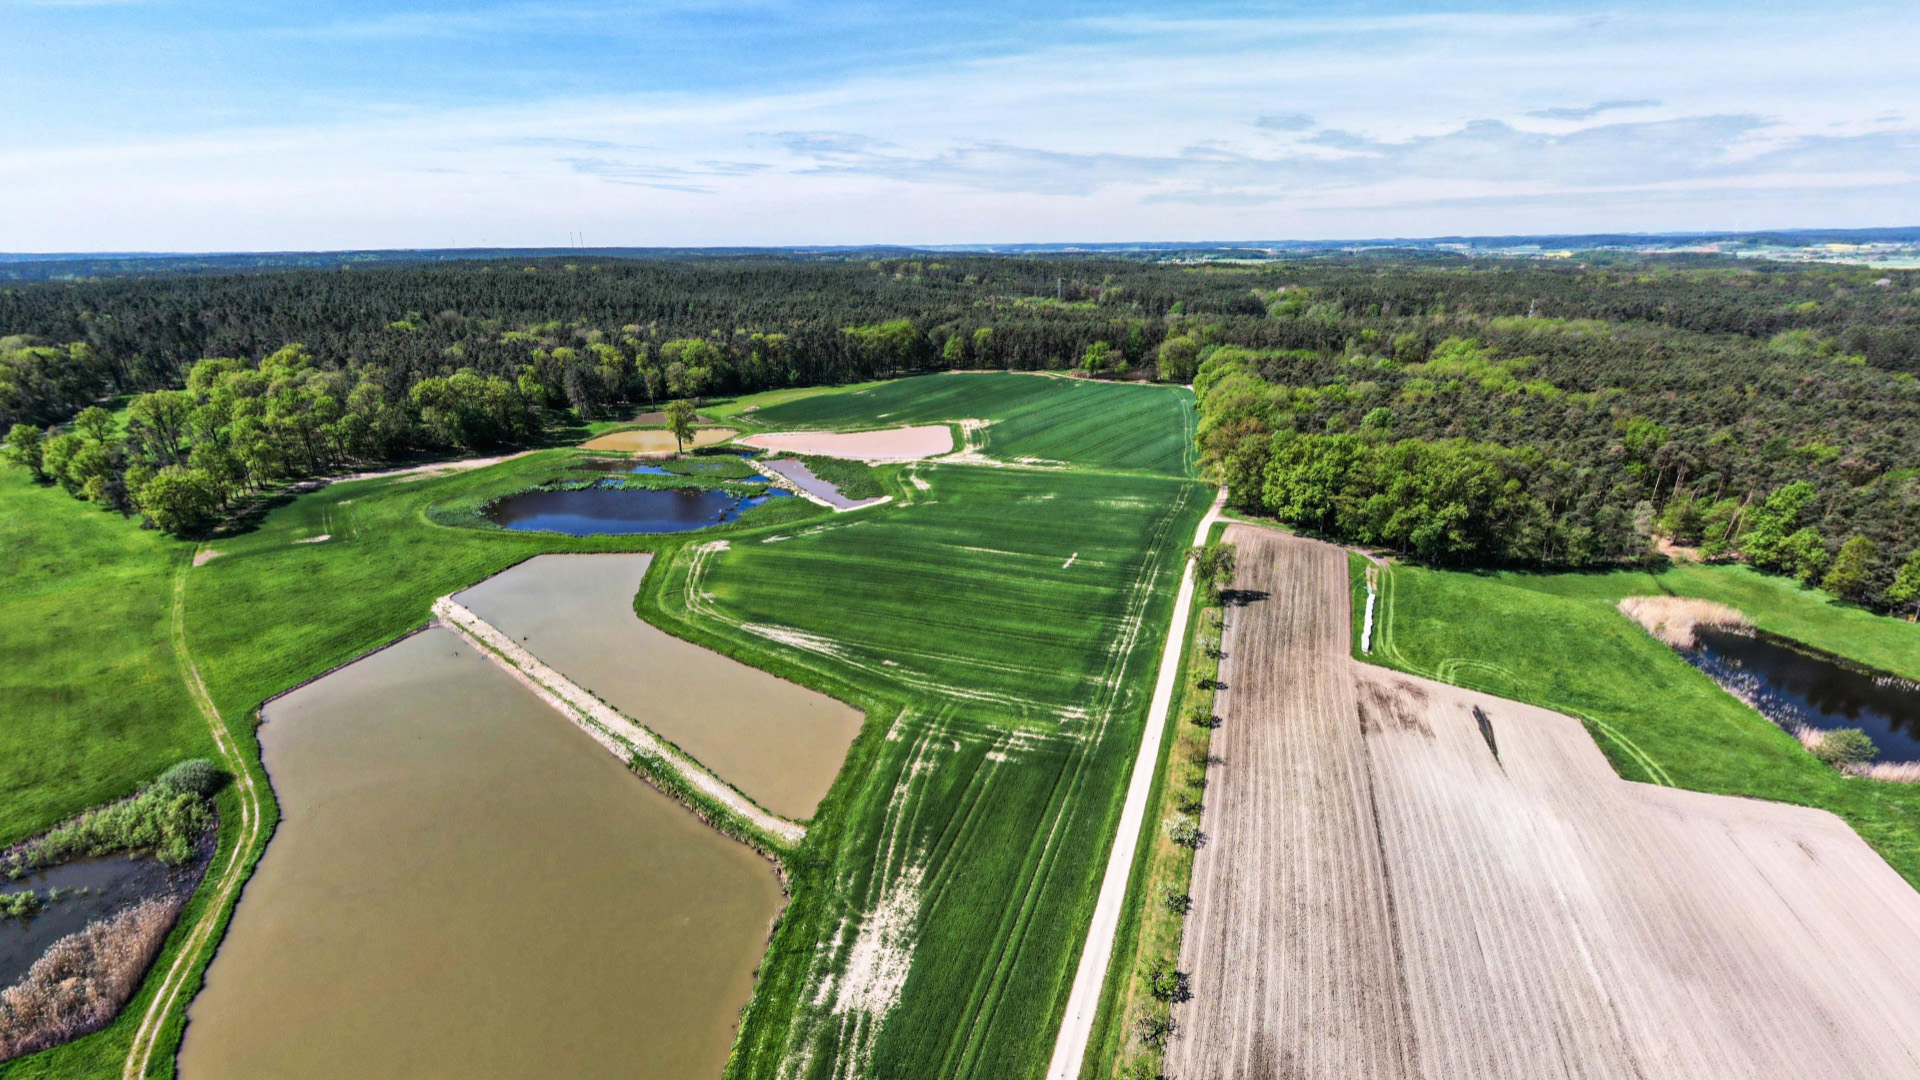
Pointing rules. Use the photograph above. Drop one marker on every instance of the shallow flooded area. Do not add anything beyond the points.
(655, 440)
(778, 742)
(618, 511)
(79, 891)
(464, 884)
(1792, 686)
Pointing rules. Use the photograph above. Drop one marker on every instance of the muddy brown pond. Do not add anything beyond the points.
(778, 742)
(464, 884)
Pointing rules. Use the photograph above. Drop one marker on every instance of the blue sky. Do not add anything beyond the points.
(159, 125)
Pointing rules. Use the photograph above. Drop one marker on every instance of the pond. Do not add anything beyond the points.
(86, 889)
(611, 510)
(1792, 686)
(779, 743)
(464, 884)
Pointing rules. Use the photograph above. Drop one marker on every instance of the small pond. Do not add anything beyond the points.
(83, 890)
(612, 510)
(1792, 686)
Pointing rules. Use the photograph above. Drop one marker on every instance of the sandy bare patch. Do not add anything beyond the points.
(1672, 619)
(321, 539)
(205, 556)
(886, 444)
(1405, 879)
(654, 440)
(428, 471)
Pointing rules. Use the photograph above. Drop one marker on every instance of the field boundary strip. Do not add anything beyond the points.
(1083, 1002)
(621, 735)
(174, 983)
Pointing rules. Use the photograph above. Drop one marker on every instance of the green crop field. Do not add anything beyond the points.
(1002, 628)
(1035, 418)
(1555, 640)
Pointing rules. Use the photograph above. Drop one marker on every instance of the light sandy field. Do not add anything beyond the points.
(1385, 896)
(887, 444)
(654, 440)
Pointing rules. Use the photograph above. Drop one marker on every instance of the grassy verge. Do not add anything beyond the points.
(853, 479)
(1153, 921)
(1556, 641)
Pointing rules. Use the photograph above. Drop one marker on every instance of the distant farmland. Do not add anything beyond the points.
(1076, 423)
(1406, 879)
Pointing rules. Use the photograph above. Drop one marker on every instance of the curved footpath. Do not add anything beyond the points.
(173, 983)
(1083, 1003)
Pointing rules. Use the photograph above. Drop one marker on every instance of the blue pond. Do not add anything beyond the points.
(603, 510)
(1792, 686)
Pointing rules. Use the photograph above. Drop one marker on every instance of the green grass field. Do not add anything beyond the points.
(91, 704)
(1555, 640)
(1001, 627)
(1079, 423)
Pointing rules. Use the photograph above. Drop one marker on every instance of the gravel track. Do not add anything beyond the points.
(1384, 896)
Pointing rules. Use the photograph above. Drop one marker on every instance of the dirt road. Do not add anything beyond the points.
(1406, 879)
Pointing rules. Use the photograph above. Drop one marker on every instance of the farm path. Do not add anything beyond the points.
(1083, 1001)
(173, 984)
(1407, 879)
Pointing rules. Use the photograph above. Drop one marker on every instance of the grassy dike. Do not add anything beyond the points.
(1150, 929)
(266, 614)
(1555, 640)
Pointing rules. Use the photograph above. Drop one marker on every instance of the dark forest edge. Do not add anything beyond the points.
(1465, 412)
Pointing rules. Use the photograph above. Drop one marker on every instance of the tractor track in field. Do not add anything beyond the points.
(1409, 880)
(172, 988)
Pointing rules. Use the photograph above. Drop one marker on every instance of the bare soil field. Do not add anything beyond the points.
(654, 440)
(887, 444)
(1406, 879)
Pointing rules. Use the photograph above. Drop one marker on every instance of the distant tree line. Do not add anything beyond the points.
(1465, 411)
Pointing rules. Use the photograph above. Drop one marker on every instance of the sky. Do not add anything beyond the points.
(182, 125)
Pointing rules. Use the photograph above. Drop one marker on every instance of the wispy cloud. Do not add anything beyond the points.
(1588, 112)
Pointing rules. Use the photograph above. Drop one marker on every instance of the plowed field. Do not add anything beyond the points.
(1406, 879)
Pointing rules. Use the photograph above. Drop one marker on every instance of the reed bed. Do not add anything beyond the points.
(1674, 619)
(84, 979)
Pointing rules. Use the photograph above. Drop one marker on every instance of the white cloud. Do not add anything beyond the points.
(1136, 129)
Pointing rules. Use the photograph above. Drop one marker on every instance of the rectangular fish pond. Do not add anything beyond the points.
(465, 884)
(780, 743)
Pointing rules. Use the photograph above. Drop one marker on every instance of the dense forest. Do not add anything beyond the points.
(1469, 412)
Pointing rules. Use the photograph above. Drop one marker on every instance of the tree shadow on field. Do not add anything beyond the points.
(1242, 597)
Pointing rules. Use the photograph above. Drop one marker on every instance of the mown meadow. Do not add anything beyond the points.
(1557, 641)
